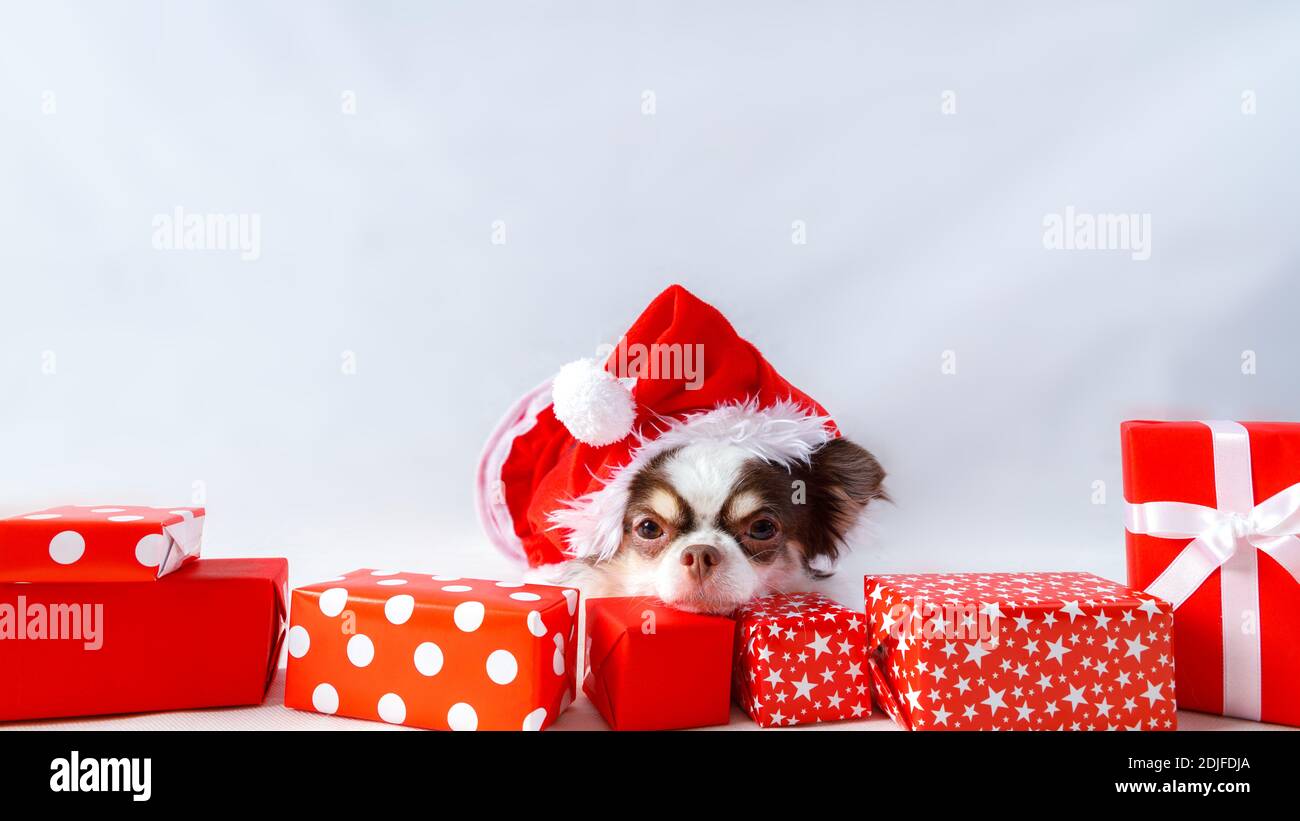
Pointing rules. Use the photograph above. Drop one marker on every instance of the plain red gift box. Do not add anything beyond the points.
(651, 667)
(1174, 461)
(207, 635)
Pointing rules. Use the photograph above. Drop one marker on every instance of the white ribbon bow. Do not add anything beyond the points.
(1226, 538)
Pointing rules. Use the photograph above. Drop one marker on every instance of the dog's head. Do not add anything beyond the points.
(709, 526)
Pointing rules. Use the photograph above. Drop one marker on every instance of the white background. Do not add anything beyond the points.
(924, 234)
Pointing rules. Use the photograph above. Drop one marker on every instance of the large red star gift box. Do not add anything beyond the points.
(438, 652)
(650, 667)
(100, 543)
(1028, 651)
(801, 658)
(207, 635)
(1213, 514)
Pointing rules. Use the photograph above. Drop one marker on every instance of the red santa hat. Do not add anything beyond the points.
(553, 479)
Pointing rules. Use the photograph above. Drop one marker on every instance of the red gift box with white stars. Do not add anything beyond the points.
(102, 543)
(438, 652)
(801, 659)
(1019, 651)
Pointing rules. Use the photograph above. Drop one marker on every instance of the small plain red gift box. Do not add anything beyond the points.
(207, 635)
(108, 543)
(650, 667)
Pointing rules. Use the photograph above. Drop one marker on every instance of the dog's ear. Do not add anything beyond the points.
(843, 479)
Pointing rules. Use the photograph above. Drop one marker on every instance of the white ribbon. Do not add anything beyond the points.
(1226, 538)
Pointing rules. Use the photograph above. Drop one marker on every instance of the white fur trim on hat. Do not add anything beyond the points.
(595, 406)
(784, 433)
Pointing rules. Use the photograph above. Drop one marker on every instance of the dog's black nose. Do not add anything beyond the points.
(700, 559)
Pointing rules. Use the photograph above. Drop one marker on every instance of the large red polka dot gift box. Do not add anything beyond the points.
(208, 635)
(99, 543)
(651, 667)
(1212, 516)
(1019, 651)
(438, 652)
(801, 658)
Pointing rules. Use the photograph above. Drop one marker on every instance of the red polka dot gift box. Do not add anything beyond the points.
(651, 667)
(1019, 651)
(438, 652)
(99, 543)
(801, 658)
(208, 635)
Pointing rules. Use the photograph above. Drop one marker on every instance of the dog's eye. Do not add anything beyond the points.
(762, 529)
(649, 530)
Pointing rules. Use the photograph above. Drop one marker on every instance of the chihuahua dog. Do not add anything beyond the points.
(709, 526)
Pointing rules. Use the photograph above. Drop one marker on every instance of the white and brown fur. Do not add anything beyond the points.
(709, 526)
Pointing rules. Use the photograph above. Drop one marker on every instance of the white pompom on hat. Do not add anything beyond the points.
(595, 406)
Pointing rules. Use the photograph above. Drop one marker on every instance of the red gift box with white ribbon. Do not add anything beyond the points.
(1029, 651)
(800, 659)
(1212, 516)
(106, 543)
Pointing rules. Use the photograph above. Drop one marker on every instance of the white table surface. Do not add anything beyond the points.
(273, 715)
